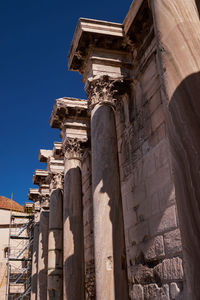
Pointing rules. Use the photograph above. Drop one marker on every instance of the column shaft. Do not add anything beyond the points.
(73, 232)
(35, 262)
(55, 249)
(111, 277)
(177, 29)
(43, 256)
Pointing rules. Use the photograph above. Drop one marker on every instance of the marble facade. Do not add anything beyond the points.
(117, 209)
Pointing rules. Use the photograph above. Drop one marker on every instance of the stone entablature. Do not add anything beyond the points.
(97, 38)
(71, 116)
(40, 178)
(57, 151)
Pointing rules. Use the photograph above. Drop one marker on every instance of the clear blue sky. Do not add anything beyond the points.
(35, 39)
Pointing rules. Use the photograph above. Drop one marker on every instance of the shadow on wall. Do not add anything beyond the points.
(184, 134)
(106, 161)
(74, 264)
(198, 6)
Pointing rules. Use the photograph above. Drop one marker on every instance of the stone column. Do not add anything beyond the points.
(34, 196)
(43, 255)
(55, 247)
(73, 223)
(110, 270)
(70, 115)
(177, 30)
(40, 178)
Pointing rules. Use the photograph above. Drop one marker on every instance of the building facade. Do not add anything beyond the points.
(117, 209)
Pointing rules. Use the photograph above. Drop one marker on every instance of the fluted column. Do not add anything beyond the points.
(35, 257)
(55, 247)
(177, 29)
(110, 270)
(43, 255)
(73, 222)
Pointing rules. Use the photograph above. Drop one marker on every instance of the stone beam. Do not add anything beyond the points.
(57, 150)
(33, 194)
(40, 178)
(70, 109)
(43, 155)
(55, 166)
(71, 116)
(133, 10)
(99, 48)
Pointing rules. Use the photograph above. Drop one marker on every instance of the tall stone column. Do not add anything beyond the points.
(71, 117)
(55, 247)
(40, 178)
(177, 30)
(73, 223)
(110, 271)
(34, 195)
(100, 53)
(43, 255)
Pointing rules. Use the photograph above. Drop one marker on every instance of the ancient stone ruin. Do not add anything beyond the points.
(117, 210)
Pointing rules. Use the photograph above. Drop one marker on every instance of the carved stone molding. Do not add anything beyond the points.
(72, 148)
(57, 181)
(104, 90)
(45, 201)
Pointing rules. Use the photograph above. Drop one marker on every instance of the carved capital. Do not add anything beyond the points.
(45, 201)
(57, 181)
(72, 148)
(101, 90)
(104, 90)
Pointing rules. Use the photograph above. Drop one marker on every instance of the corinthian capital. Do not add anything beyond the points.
(104, 90)
(57, 181)
(101, 90)
(72, 148)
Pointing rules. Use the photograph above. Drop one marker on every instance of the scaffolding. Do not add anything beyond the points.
(20, 254)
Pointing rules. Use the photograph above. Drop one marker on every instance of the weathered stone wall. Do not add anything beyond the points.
(88, 227)
(153, 243)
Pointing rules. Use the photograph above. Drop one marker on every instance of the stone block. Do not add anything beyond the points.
(130, 219)
(172, 241)
(153, 292)
(158, 135)
(149, 165)
(153, 249)
(138, 233)
(149, 79)
(126, 186)
(142, 274)
(174, 290)
(163, 222)
(158, 180)
(137, 195)
(166, 195)
(138, 173)
(154, 204)
(136, 292)
(161, 153)
(169, 269)
(154, 102)
(157, 118)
